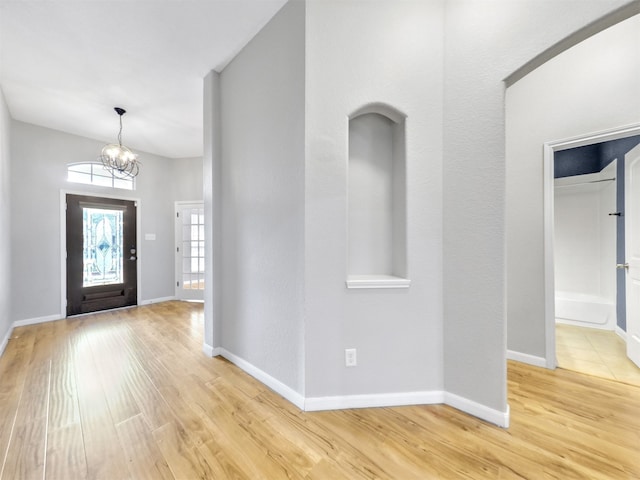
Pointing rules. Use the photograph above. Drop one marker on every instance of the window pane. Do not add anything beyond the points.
(92, 173)
(80, 167)
(78, 177)
(102, 181)
(126, 184)
(102, 246)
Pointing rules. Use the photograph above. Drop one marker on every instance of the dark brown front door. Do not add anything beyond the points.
(101, 254)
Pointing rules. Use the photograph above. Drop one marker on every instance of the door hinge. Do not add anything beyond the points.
(178, 249)
(177, 284)
(177, 214)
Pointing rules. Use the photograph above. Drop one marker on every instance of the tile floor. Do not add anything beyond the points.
(600, 353)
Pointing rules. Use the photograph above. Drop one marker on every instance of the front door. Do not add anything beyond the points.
(101, 254)
(632, 251)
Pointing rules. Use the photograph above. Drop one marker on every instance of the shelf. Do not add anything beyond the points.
(377, 281)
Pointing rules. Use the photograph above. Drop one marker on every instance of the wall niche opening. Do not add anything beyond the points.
(377, 192)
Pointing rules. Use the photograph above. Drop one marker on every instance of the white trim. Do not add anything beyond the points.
(549, 282)
(63, 241)
(549, 259)
(365, 401)
(5, 340)
(274, 384)
(526, 358)
(377, 281)
(483, 412)
(621, 333)
(314, 404)
(34, 321)
(210, 351)
(157, 300)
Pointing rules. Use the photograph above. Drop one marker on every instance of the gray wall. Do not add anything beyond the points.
(5, 220)
(358, 54)
(486, 41)
(262, 113)
(186, 179)
(598, 91)
(39, 157)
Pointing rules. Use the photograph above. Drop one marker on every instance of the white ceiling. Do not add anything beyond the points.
(66, 64)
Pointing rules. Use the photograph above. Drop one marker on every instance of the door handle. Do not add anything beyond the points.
(622, 265)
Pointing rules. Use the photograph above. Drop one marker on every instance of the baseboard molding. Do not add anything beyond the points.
(210, 351)
(314, 404)
(274, 384)
(526, 358)
(483, 412)
(35, 321)
(621, 333)
(157, 300)
(366, 401)
(5, 340)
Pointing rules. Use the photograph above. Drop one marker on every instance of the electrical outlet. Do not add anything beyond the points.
(350, 359)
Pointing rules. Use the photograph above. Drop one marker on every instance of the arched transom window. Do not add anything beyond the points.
(93, 173)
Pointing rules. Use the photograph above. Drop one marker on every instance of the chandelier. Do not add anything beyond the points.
(117, 158)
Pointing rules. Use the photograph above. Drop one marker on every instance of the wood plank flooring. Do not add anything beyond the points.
(129, 395)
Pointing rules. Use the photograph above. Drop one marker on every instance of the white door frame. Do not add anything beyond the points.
(63, 241)
(549, 274)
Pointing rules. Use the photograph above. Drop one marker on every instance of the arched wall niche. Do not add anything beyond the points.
(380, 108)
(377, 228)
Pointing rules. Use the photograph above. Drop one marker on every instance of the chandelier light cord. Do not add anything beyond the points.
(120, 132)
(118, 159)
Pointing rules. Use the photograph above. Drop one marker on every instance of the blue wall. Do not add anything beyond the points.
(592, 159)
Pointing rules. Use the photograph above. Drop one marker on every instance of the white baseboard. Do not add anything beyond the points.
(156, 300)
(483, 412)
(274, 384)
(210, 351)
(526, 358)
(621, 333)
(34, 321)
(5, 340)
(314, 404)
(367, 401)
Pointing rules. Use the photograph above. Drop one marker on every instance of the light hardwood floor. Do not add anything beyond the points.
(128, 394)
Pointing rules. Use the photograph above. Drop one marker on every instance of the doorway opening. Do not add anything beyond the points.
(584, 241)
(101, 254)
